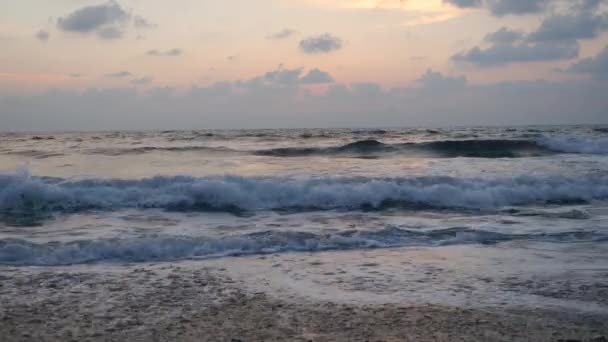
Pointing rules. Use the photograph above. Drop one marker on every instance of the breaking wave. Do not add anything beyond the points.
(170, 248)
(576, 145)
(23, 195)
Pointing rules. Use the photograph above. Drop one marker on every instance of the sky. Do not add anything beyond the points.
(157, 64)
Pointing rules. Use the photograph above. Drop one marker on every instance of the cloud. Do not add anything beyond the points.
(504, 7)
(43, 35)
(292, 77)
(504, 36)
(110, 33)
(464, 3)
(516, 7)
(589, 5)
(324, 43)
(436, 81)
(502, 54)
(316, 76)
(119, 74)
(433, 99)
(106, 20)
(581, 25)
(596, 67)
(283, 76)
(142, 22)
(556, 38)
(170, 53)
(283, 34)
(142, 81)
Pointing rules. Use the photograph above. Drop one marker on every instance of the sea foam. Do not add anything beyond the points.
(169, 248)
(576, 145)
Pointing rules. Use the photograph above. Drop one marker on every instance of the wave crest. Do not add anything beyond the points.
(21, 194)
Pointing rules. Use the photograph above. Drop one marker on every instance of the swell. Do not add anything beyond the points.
(22, 195)
(474, 148)
(150, 149)
(170, 248)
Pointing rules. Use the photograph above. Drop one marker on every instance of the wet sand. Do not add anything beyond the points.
(202, 301)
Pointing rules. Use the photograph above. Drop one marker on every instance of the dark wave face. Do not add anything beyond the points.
(440, 149)
(359, 148)
(486, 148)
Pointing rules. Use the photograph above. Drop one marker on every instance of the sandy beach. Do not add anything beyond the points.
(217, 301)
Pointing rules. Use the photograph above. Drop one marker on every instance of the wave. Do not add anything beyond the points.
(485, 148)
(35, 154)
(473, 148)
(148, 149)
(442, 148)
(22, 195)
(358, 147)
(171, 248)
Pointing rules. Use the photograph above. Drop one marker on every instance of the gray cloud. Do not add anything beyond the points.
(464, 3)
(283, 76)
(516, 7)
(142, 22)
(502, 54)
(169, 53)
(110, 33)
(596, 67)
(283, 34)
(292, 77)
(142, 81)
(174, 52)
(504, 36)
(324, 43)
(106, 20)
(581, 25)
(315, 76)
(436, 81)
(43, 35)
(556, 38)
(590, 5)
(119, 74)
(504, 7)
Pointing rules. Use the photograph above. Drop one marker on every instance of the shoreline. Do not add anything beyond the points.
(202, 301)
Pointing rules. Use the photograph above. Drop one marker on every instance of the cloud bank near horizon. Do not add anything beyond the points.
(282, 98)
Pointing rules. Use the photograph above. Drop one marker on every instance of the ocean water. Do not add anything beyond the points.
(139, 197)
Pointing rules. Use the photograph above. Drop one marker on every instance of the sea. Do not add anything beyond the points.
(478, 216)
